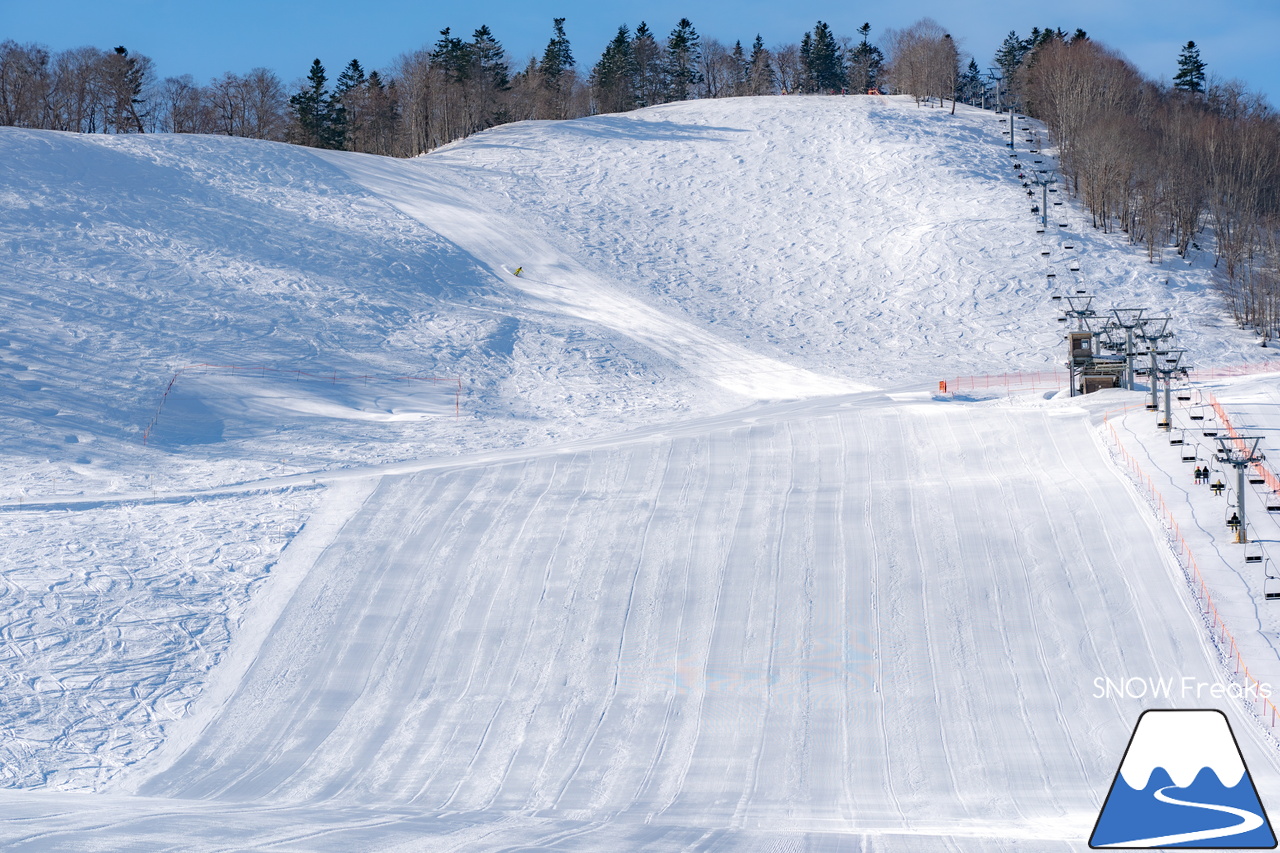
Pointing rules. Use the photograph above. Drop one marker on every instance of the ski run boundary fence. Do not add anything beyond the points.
(1223, 640)
(329, 376)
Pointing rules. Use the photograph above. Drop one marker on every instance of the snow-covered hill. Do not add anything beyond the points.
(661, 544)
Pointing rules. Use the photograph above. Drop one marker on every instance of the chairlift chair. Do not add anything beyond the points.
(1179, 438)
(1253, 553)
(1270, 583)
(1197, 413)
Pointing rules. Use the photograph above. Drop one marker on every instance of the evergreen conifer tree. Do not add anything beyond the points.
(651, 84)
(760, 75)
(311, 109)
(865, 62)
(489, 59)
(684, 50)
(558, 57)
(1011, 52)
(971, 87)
(451, 55)
(807, 83)
(743, 69)
(346, 106)
(555, 69)
(1190, 76)
(824, 63)
(613, 78)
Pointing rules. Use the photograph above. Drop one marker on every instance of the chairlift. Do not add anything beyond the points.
(1074, 266)
(1190, 453)
(1179, 440)
(1256, 481)
(1055, 297)
(1211, 433)
(1253, 553)
(1062, 225)
(1270, 585)
(1045, 253)
(1197, 413)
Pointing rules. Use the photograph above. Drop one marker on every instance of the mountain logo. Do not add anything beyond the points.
(1183, 783)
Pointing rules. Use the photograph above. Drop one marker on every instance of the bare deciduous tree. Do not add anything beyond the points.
(924, 61)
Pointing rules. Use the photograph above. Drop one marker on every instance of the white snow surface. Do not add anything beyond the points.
(664, 544)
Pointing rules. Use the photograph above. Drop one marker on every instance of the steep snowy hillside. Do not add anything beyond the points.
(327, 531)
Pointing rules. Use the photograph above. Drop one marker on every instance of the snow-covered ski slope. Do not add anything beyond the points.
(692, 560)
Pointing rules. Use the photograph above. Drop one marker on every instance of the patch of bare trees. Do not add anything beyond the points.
(86, 90)
(1164, 165)
(924, 61)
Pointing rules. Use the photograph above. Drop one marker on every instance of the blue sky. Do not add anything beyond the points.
(1237, 37)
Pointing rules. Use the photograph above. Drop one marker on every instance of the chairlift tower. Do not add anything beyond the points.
(1152, 331)
(1043, 178)
(1168, 364)
(1079, 308)
(995, 79)
(1241, 455)
(1081, 349)
(1128, 319)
